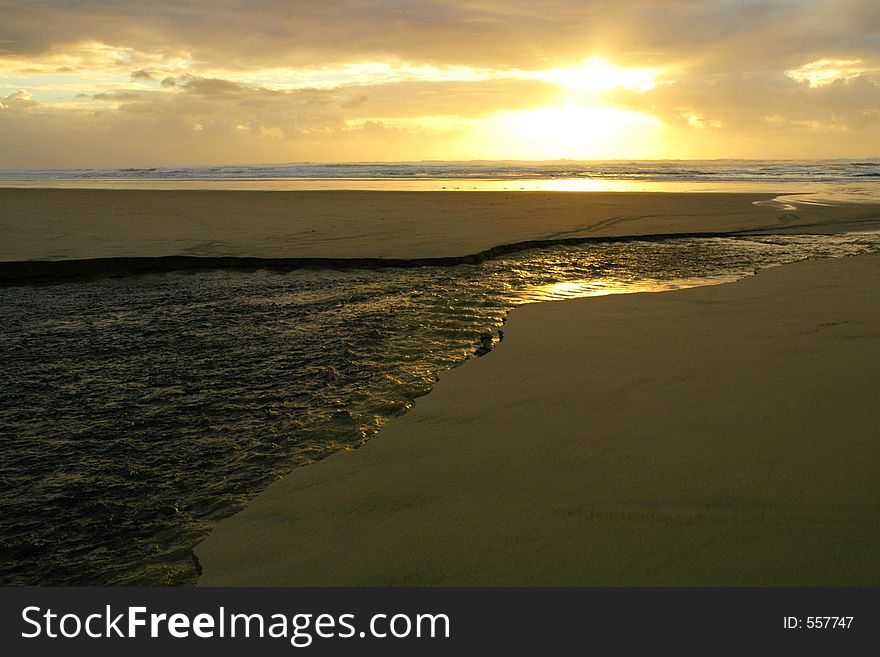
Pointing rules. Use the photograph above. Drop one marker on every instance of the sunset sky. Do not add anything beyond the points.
(161, 83)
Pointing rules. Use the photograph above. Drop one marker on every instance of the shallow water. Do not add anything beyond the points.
(136, 413)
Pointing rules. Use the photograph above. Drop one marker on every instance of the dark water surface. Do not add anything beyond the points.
(136, 413)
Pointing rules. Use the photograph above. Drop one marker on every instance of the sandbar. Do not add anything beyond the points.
(80, 224)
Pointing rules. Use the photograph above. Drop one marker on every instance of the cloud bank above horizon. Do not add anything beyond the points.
(104, 84)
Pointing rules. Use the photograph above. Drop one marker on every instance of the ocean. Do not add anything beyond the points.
(136, 413)
(741, 171)
(815, 180)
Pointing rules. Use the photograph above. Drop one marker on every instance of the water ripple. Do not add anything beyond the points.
(136, 413)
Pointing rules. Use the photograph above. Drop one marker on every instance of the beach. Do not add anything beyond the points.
(715, 436)
(74, 224)
(410, 312)
(722, 435)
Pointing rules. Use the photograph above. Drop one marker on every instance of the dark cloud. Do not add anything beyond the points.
(119, 96)
(356, 102)
(240, 103)
(468, 99)
(724, 63)
(212, 87)
(730, 34)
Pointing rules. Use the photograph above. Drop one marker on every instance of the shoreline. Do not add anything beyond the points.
(42, 224)
(49, 272)
(57, 235)
(697, 456)
(124, 232)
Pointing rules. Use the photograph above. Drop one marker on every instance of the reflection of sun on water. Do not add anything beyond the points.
(599, 287)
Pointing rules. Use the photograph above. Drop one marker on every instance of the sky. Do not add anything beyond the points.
(94, 83)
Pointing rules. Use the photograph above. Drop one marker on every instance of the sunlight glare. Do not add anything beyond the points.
(574, 131)
(596, 74)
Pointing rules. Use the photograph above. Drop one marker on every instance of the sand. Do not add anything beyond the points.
(713, 436)
(71, 224)
(724, 435)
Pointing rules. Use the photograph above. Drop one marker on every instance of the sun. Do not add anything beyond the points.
(585, 124)
(596, 75)
(574, 131)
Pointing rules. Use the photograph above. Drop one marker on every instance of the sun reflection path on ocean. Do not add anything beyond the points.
(783, 195)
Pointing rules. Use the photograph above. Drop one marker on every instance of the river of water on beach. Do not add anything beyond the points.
(136, 413)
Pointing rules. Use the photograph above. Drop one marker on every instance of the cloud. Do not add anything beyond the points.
(470, 32)
(141, 74)
(213, 87)
(356, 102)
(18, 100)
(738, 102)
(724, 35)
(827, 71)
(119, 96)
(309, 77)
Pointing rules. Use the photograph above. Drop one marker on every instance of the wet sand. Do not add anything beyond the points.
(723, 435)
(76, 224)
(713, 436)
